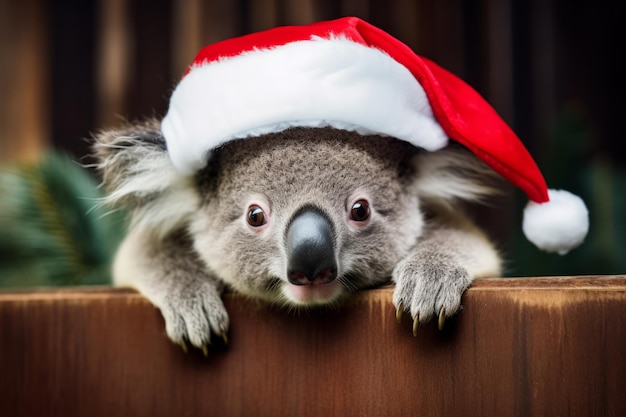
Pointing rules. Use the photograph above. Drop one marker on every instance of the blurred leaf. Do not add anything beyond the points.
(53, 229)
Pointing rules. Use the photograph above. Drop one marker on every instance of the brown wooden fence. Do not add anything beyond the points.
(520, 347)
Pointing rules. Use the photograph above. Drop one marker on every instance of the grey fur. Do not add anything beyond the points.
(190, 238)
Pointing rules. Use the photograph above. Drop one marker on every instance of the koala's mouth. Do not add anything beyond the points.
(313, 294)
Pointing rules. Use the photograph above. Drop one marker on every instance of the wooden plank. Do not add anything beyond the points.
(520, 347)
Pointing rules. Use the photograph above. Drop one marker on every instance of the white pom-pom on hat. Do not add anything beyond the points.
(558, 225)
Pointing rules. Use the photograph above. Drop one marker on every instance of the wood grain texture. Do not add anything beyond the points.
(520, 347)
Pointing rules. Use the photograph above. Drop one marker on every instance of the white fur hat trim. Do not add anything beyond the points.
(321, 82)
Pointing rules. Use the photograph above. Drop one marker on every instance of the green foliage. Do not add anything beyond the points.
(53, 227)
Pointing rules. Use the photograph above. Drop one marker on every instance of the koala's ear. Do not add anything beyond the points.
(130, 160)
(453, 173)
(138, 174)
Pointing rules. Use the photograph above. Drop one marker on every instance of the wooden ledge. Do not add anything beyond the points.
(520, 347)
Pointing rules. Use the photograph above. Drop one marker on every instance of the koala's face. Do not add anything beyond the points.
(307, 215)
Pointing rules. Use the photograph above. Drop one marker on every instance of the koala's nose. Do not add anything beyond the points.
(310, 242)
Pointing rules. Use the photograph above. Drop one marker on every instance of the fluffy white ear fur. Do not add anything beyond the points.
(165, 198)
(453, 174)
(175, 203)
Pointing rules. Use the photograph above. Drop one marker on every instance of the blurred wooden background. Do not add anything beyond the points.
(71, 67)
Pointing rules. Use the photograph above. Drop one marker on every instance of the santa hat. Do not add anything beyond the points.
(350, 75)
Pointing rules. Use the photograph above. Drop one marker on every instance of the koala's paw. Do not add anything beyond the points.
(429, 285)
(194, 313)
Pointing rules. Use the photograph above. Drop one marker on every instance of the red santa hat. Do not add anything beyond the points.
(350, 75)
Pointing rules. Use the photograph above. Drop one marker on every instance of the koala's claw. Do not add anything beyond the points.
(442, 319)
(183, 345)
(193, 314)
(399, 312)
(205, 351)
(429, 285)
(416, 324)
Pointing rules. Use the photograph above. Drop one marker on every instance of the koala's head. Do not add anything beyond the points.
(306, 215)
(301, 217)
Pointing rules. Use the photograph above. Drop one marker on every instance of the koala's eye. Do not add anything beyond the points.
(256, 216)
(360, 211)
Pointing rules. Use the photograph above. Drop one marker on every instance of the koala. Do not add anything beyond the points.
(302, 164)
(301, 218)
